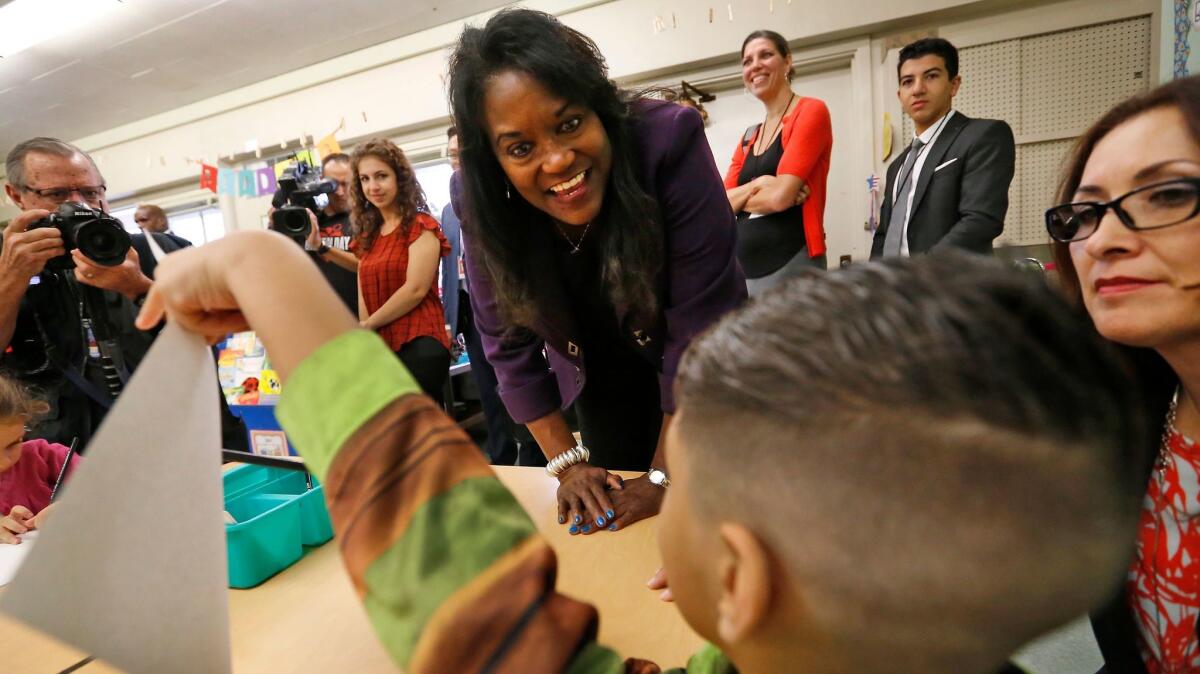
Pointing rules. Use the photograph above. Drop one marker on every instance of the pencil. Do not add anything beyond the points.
(62, 472)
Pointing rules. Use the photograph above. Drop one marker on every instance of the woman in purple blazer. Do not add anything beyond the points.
(599, 242)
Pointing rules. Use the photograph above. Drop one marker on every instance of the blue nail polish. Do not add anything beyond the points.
(600, 521)
(612, 528)
(573, 530)
(610, 514)
(587, 528)
(578, 519)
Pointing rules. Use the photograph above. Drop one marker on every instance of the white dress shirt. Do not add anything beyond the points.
(929, 138)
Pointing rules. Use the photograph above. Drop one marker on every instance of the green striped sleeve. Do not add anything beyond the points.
(452, 539)
(336, 390)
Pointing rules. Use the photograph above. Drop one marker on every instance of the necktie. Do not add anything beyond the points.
(895, 233)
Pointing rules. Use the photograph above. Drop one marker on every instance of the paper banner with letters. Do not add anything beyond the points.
(246, 182)
(226, 182)
(265, 180)
(208, 178)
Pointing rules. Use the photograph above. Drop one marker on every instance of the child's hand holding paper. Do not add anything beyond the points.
(18, 521)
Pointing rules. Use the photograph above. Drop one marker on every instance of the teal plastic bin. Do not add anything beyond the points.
(276, 516)
(265, 540)
(315, 527)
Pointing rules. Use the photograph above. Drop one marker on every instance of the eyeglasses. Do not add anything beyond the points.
(1151, 207)
(90, 193)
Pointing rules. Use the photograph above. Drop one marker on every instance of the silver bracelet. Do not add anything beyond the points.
(574, 455)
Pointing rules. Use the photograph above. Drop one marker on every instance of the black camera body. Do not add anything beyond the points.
(98, 235)
(301, 189)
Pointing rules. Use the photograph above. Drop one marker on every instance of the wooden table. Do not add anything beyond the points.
(307, 619)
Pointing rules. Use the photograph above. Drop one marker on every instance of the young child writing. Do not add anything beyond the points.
(29, 469)
(873, 470)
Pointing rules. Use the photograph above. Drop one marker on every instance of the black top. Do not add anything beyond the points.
(335, 233)
(766, 242)
(591, 308)
(619, 411)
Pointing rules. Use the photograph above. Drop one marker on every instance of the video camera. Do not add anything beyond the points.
(301, 189)
(95, 233)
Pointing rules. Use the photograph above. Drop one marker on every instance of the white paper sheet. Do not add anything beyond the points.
(132, 567)
(11, 556)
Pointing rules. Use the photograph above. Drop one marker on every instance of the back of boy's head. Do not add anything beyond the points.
(18, 403)
(940, 451)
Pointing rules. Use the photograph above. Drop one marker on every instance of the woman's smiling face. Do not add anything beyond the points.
(556, 153)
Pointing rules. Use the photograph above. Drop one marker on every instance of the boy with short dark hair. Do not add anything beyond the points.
(872, 470)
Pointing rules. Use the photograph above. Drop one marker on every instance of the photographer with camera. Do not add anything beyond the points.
(69, 283)
(324, 230)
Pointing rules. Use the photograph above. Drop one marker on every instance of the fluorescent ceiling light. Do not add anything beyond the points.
(26, 23)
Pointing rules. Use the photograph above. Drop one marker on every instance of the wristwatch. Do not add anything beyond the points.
(659, 478)
(322, 249)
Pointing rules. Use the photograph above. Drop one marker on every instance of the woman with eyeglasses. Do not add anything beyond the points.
(1127, 241)
(599, 242)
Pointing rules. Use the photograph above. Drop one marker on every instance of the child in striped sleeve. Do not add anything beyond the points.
(872, 470)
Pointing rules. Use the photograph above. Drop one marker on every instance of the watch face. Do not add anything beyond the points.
(658, 477)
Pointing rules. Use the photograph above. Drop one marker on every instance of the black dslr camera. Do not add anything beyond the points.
(95, 233)
(301, 189)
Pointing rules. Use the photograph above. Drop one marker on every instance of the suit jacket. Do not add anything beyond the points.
(962, 191)
(701, 278)
(450, 229)
(168, 242)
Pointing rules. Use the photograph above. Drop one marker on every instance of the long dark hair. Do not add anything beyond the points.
(366, 218)
(628, 228)
(1183, 94)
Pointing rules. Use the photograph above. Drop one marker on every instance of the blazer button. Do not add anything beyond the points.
(641, 337)
(572, 349)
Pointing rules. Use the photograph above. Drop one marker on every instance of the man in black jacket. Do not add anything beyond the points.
(153, 219)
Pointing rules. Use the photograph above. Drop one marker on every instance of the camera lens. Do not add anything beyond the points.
(102, 241)
(292, 221)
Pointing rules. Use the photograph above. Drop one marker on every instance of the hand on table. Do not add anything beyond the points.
(583, 500)
(639, 499)
(19, 520)
(659, 582)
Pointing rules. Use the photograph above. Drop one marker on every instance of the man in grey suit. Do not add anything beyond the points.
(949, 188)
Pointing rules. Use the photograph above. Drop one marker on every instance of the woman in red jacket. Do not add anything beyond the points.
(399, 246)
(776, 182)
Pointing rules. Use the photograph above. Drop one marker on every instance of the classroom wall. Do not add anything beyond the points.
(397, 88)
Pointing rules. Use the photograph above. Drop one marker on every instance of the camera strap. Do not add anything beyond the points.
(72, 373)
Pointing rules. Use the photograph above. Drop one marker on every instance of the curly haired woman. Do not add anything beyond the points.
(399, 246)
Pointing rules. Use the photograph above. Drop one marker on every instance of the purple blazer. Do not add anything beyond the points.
(702, 279)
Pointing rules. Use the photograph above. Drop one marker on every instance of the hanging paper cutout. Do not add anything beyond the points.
(208, 177)
(327, 146)
(226, 182)
(265, 180)
(247, 186)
